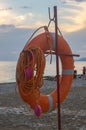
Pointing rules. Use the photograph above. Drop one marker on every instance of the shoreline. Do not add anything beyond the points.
(48, 77)
(49, 82)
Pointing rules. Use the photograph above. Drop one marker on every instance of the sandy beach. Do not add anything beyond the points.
(15, 114)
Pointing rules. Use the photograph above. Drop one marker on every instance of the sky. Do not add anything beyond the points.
(20, 18)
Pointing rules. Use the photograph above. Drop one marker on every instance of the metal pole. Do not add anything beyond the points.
(57, 68)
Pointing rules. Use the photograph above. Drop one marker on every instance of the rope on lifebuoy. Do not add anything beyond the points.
(32, 67)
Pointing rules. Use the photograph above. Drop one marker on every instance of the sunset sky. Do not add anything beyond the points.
(19, 18)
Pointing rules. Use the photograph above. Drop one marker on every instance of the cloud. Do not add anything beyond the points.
(81, 51)
(25, 7)
(5, 17)
(72, 18)
(77, 41)
(84, 46)
(16, 19)
(19, 19)
(3, 9)
(6, 27)
(65, 1)
(11, 8)
(80, 0)
(13, 41)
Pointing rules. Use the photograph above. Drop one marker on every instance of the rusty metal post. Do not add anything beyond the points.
(57, 68)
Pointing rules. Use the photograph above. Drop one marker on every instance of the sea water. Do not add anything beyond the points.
(8, 69)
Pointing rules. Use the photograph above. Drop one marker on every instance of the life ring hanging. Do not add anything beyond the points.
(33, 96)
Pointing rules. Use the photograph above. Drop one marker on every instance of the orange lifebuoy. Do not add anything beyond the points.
(48, 102)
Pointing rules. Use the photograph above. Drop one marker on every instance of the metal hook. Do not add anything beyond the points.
(51, 19)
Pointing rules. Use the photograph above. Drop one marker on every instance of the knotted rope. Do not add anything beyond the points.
(32, 67)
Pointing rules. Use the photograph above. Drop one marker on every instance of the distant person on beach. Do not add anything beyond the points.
(84, 72)
(75, 74)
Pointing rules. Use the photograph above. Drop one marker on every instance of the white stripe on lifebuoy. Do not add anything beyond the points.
(50, 103)
(67, 71)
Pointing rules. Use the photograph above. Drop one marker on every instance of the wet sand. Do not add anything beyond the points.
(15, 114)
